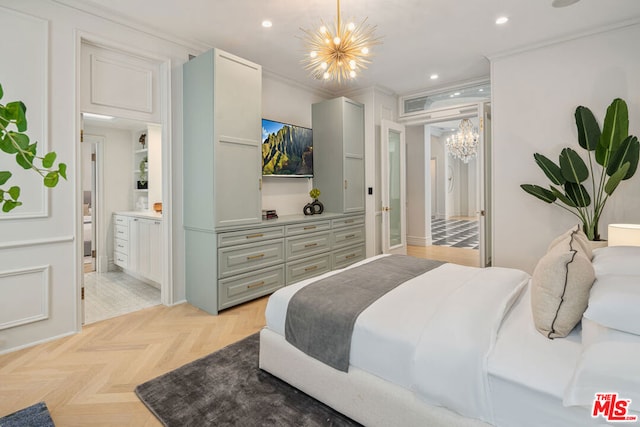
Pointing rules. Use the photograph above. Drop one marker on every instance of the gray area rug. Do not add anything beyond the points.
(226, 388)
(34, 416)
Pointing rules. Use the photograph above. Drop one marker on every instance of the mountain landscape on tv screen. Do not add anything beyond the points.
(288, 151)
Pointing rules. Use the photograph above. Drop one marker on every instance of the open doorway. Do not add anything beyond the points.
(121, 174)
(446, 211)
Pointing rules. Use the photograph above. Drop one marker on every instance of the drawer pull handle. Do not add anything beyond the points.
(349, 221)
(254, 236)
(310, 227)
(350, 256)
(310, 245)
(313, 267)
(350, 236)
(252, 257)
(256, 285)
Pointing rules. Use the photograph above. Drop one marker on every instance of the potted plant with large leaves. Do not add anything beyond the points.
(612, 148)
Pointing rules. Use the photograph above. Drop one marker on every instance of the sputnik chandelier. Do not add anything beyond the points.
(464, 144)
(339, 51)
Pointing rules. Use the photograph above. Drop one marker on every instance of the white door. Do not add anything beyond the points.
(484, 184)
(393, 168)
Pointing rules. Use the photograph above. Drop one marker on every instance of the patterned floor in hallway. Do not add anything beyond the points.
(455, 233)
(115, 293)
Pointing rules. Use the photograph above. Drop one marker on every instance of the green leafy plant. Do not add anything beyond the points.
(16, 142)
(314, 193)
(612, 148)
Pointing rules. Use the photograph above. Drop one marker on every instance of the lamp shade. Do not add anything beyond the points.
(624, 234)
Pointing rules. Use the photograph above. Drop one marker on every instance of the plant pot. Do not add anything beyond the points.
(596, 244)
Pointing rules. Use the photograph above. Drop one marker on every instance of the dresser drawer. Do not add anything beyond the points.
(249, 236)
(307, 227)
(121, 260)
(308, 267)
(346, 257)
(249, 286)
(121, 246)
(122, 232)
(347, 236)
(307, 245)
(121, 220)
(347, 222)
(245, 258)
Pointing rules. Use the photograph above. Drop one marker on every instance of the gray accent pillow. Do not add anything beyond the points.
(560, 287)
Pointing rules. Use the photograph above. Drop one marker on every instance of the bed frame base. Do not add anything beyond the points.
(363, 397)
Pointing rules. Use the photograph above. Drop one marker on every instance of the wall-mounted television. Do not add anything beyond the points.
(287, 150)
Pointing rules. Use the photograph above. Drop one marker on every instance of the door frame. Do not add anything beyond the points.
(386, 126)
(167, 285)
(484, 170)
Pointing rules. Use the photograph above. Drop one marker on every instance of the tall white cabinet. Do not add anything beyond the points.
(222, 158)
(338, 154)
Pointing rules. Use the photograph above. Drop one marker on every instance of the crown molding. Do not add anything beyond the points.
(559, 40)
(126, 21)
(272, 75)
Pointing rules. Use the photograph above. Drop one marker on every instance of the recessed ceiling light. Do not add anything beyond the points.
(97, 116)
(456, 93)
(563, 3)
(267, 24)
(502, 20)
(433, 76)
(480, 90)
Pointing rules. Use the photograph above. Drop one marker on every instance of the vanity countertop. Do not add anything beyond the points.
(141, 214)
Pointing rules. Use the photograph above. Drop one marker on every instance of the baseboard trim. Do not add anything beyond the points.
(418, 241)
(31, 344)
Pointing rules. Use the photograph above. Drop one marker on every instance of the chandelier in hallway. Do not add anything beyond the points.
(463, 145)
(339, 51)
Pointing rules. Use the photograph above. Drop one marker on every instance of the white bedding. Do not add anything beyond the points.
(414, 318)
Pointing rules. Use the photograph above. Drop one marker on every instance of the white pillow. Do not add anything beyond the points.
(606, 367)
(619, 260)
(614, 302)
(593, 332)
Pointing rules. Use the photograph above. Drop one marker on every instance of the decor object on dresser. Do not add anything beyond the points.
(624, 234)
(612, 148)
(17, 142)
(339, 51)
(315, 207)
(463, 145)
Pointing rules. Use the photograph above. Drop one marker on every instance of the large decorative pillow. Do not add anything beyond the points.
(576, 235)
(560, 288)
(615, 303)
(617, 260)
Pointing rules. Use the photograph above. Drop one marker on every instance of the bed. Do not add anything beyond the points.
(512, 375)
(87, 224)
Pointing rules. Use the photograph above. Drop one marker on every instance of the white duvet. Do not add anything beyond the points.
(432, 334)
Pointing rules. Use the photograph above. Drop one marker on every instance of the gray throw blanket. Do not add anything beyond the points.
(321, 316)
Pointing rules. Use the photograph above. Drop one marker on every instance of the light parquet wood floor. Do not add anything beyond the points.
(470, 257)
(88, 379)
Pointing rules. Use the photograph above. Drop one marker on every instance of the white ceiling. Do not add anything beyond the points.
(420, 37)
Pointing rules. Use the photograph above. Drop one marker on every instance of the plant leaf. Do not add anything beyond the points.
(614, 180)
(14, 192)
(539, 192)
(7, 146)
(588, 128)
(51, 179)
(21, 139)
(578, 194)
(18, 112)
(62, 170)
(49, 159)
(4, 177)
(26, 160)
(572, 166)
(628, 152)
(550, 169)
(614, 130)
(1, 92)
(9, 205)
(562, 197)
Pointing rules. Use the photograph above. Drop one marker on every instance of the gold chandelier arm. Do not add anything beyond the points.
(338, 29)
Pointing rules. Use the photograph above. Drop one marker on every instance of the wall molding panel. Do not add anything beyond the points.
(33, 49)
(26, 295)
(35, 242)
